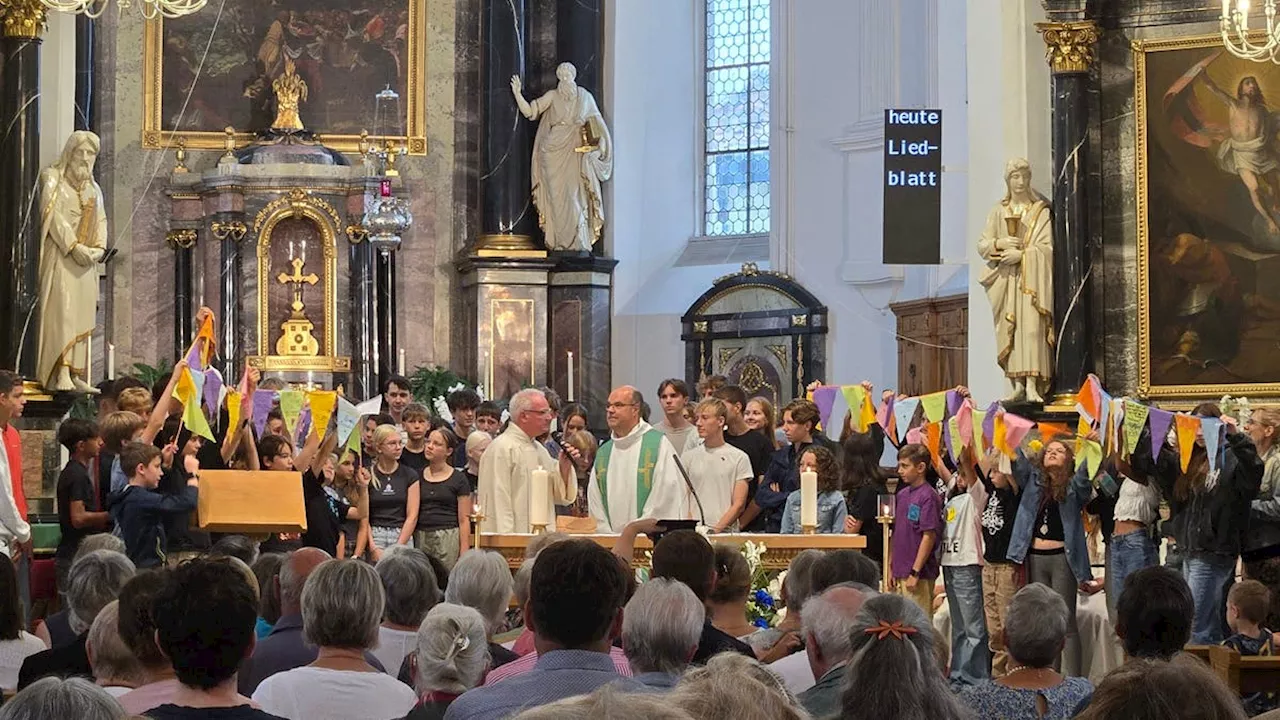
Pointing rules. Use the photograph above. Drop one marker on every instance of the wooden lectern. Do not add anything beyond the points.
(251, 503)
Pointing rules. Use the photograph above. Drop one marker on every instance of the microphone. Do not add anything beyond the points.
(689, 484)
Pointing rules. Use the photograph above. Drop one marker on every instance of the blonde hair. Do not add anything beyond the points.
(715, 404)
(118, 428)
(381, 434)
(770, 427)
(137, 400)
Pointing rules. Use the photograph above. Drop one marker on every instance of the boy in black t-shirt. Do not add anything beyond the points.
(416, 421)
(79, 513)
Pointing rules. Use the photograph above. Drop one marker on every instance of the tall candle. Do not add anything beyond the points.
(400, 361)
(570, 376)
(808, 498)
(539, 502)
(111, 361)
(88, 363)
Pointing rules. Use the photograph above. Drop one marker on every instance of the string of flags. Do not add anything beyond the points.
(946, 421)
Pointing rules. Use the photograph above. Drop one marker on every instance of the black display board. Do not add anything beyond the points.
(912, 187)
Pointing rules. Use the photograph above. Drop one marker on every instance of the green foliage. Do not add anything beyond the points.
(84, 408)
(429, 382)
(150, 374)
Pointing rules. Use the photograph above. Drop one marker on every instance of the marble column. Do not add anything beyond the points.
(364, 319)
(580, 40)
(86, 108)
(506, 201)
(385, 293)
(182, 240)
(23, 21)
(229, 229)
(1070, 54)
(581, 309)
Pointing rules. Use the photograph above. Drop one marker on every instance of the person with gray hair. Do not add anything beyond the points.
(784, 640)
(828, 620)
(507, 466)
(732, 686)
(661, 626)
(115, 669)
(54, 697)
(893, 669)
(1035, 632)
(451, 658)
(342, 606)
(410, 587)
(481, 580)
(94, 581)
(606, 702)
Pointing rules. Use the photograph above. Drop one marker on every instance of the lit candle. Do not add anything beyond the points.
(111, 361)
(570, 376)
(808, 498)
(539, 502)
(88, 363)
(303, 248)
(400, 361)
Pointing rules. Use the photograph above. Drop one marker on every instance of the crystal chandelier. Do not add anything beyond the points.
(1235, 32)
(150, 9)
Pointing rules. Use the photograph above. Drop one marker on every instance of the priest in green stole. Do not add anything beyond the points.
(635, 473)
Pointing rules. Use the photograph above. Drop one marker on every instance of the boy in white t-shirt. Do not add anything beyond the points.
(962, 572)
(719, 471)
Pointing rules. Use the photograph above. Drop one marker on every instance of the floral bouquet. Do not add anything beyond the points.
(1237, 407)
(766, 589)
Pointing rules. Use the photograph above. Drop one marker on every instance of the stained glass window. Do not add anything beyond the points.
(736, 199)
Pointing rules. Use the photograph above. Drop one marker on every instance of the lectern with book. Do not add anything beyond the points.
(251, 503)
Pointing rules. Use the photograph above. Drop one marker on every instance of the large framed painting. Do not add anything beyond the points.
(210, 71)
(1208, 207)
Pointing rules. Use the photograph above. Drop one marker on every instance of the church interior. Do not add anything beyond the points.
(582, 195)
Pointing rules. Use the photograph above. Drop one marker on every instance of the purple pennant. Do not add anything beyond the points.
(824, 396)
(989, 424)
(946, 430)
(1159, 421)
(953, 403)
(304, 425)
(212, 390)
(194, 357)
(262, 402)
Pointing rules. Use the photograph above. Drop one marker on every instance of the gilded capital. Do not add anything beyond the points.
(1070, 45)
(181, 239)
(23, 18)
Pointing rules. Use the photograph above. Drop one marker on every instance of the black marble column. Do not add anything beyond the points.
(182, 240)
(506, 209)
(364, 320)
(19, 196)
(580, 40)
(1070, 55)
(86, 108)
(229, 229)
(385, 290)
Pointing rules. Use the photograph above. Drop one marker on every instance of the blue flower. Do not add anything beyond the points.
(763, 597)
(761, 623)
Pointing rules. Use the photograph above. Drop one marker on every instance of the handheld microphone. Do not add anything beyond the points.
(689, 484)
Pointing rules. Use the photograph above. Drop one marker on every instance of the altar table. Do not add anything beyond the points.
(779, 549)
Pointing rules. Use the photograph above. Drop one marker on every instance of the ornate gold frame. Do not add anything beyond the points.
(300, 204)
(154, 136)
(1141, 48)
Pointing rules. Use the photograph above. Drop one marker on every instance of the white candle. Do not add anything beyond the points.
(808, 498)
(88, 363)
(400, 361)
(111, 361)
(539, 503)
(570, 376)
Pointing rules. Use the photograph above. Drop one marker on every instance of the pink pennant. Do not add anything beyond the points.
(964, 419)
(1015, 429)
(915, 436)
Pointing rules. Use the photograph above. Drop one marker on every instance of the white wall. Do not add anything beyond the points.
(1008, 82)
(838, 65)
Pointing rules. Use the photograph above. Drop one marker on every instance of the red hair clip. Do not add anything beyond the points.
(896, 629)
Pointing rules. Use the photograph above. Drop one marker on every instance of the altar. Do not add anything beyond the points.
(779, 550)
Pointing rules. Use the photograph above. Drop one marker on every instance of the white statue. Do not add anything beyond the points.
(73, 236)
(1017, 244)
(572, 155)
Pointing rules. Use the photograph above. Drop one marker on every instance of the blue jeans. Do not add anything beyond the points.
(1208, 575)
(1130, 553)
(970, 657)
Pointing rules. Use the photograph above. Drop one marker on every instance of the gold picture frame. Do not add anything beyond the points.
(1149, 386)
(155, 136)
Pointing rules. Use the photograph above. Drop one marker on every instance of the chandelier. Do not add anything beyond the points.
(150, 9)
(1235, 32)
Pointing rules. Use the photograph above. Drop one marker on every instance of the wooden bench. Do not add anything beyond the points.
(1245, 675)
(1201, 652)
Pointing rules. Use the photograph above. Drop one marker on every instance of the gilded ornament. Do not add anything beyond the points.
(290, 89)
(235, 230)
(184, 238)
(23, 18)
(1070, 45)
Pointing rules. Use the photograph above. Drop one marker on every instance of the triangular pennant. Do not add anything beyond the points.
(348, 419)
(1090, 454)
(964, 424)
(1015, 430)
(1087, 400)
(867, 417)
(855, 396)
(988, 425)
(197, 379)
(1104, 412)
(933, 437)
(998, 434)
(205, 339)
(213, 389)
(372, 406)
(1160, 421)
(192, 416)
(953, 402)
(291, 408)
(935, 406)
(979, 444)
(915, 436)
(1211, 429)
(823, 397)
(904, 411)
(839, 409)
(322, 404)
(263, 401)
(234, 400)
(195, 358)
(304, 426)
(1187, 425)
(954, 437)
(1135, 417)
(884, 415)
(1051, 430)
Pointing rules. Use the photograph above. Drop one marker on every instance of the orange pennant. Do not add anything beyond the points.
(1087, 400)
(1051, 430)
(933, 438)
(1187, 427)
(206, 334)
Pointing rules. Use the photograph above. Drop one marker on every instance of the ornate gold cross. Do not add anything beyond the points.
(297, 279)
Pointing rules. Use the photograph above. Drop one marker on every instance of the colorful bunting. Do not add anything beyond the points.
(884, 416)
(935, 406)
(964, 425)
(955, 437)
(823, 397)
(954, 399)
(1015, 430)
(867, 416)
(1135, 417)
(348, 419)
(263, 401)
(214, 390)
(980, 444)
(304, 426)
(933, 437)
(904, 411)
(1211, 429)
(1051, 430)
(1089, 452)
(234, 401)
(915, 436)
(192, 416)
(372, 406)
(1186, 425)
(322, 404)
(1160, 421)
(291, 408)
(998, 434)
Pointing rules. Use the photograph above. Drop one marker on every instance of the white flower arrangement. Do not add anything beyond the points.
(441, 406)
(1236, 406)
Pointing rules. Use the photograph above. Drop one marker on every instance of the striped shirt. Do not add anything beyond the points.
(528, 661)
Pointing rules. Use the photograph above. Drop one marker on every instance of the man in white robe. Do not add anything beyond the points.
(635, 473)
(73, 236)
(506, 468)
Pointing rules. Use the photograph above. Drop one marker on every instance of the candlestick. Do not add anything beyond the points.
(809, 500)
(570, 376)
(539, 501)
(111, 361)
(400, 361)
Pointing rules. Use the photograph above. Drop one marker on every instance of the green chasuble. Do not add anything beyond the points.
(650, 445)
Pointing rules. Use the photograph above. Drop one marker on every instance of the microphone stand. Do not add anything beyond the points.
(689, 484)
